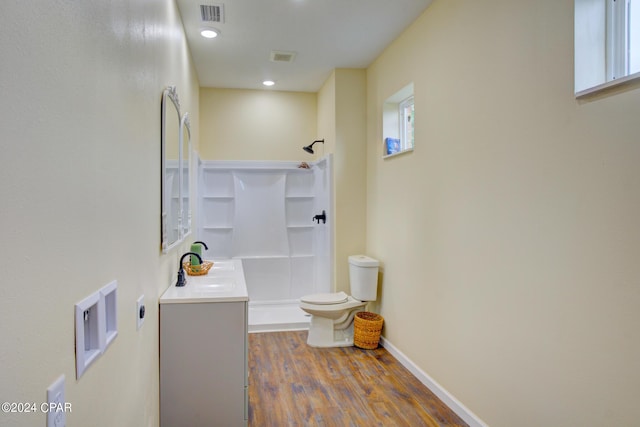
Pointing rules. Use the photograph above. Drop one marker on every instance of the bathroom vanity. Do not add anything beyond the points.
(204, 348)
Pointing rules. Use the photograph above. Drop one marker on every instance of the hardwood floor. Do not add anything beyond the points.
(292, 384)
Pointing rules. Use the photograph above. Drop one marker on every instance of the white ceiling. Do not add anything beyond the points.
(324, 34)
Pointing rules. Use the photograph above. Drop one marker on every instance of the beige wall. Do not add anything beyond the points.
(327, 116)
(342, 120)
(327, 131)
(510, 236)
(242, 124)
(349, 170)
(80, 183)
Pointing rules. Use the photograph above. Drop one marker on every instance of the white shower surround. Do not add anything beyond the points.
(261, 212)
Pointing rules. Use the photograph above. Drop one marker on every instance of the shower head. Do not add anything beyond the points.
(309, 148)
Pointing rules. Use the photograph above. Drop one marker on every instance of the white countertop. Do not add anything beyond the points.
(224, 283)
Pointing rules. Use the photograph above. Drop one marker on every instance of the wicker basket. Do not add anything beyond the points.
(197, 270)
(366, 330)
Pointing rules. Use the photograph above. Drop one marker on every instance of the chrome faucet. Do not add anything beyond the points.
(181, 281)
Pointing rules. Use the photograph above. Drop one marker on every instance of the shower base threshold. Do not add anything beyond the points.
(274, 316)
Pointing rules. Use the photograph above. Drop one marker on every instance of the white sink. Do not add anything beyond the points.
(213, 283)
(224, 282)
(223, 265)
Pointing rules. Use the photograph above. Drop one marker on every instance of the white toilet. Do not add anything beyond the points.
(332, 314)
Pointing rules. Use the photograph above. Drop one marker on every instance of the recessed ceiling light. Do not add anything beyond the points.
(268, 82)
(209, 33)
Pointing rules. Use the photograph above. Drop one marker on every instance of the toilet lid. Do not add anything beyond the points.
(325, 299)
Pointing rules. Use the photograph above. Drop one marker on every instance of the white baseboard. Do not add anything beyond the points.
(454, 404)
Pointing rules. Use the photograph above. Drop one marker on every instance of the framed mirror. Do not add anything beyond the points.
(171, 228)
(185, 162)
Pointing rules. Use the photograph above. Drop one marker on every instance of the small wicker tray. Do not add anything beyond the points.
(197, 270)
(366, 330)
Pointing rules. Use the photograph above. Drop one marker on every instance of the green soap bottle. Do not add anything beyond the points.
(197, 248)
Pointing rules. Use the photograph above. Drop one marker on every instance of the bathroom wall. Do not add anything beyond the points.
(327, 128)
(242, 124)
(509, 237)
(80, 185)
(342, 122)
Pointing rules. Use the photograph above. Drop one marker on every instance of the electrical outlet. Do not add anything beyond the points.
(56, 405)
(140, 312)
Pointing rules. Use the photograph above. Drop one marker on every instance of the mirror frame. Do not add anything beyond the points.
(185, 199)
(169, 95)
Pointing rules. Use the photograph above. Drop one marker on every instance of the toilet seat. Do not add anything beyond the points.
(325, 299)
(333, 311)
(331, 325)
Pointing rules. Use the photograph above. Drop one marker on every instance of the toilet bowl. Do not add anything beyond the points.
(332, 314)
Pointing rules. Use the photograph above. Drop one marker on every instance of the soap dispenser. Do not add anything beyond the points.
(196, 247)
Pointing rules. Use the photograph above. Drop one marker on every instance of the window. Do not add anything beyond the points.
(633, 31)
(406, 112)
(398, 122)
(623, 46)
(607, 43)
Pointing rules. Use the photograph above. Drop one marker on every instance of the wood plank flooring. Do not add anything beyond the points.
(292, 384)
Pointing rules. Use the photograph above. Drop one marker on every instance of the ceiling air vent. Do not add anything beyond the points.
(212, 12)
(282, 56)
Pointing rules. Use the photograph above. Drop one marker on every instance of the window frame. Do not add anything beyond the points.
(394, 131)
(617, 39)
(615, 36)
(405, 144)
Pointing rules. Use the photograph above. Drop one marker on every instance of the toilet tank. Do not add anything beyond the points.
(363, 277)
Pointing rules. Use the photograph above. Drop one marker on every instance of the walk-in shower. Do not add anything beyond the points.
(263, 213)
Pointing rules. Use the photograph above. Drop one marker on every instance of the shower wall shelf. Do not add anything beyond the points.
(256, 165)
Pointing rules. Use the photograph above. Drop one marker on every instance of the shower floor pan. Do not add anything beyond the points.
(273, 316)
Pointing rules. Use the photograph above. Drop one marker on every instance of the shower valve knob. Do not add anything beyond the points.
(322, 216)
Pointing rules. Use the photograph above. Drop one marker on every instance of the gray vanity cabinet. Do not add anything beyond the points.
(203, 364)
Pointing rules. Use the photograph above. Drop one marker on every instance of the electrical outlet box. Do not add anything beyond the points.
(89, 331)
(108, 295)
(140, 312)
(56, 405)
